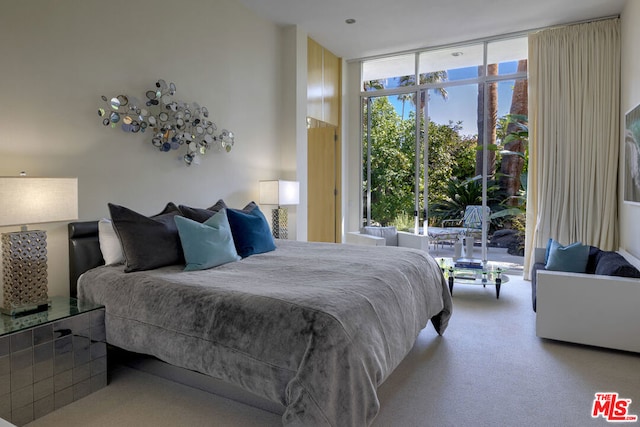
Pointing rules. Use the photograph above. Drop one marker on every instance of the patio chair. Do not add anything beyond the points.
(440, 236)
(470, 224)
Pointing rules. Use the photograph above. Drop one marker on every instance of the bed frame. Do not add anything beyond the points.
(84, 251)
(85, 254)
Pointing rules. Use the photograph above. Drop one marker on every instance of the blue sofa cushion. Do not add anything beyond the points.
(572, 258)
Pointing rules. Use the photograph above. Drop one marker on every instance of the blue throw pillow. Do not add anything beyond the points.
(206, 245)
(251, 232)
(546, 252)
(572, 258)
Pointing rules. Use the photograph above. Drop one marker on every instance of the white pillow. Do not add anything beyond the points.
(109, 243)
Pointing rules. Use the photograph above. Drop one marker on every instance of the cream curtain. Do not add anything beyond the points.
(574, 125)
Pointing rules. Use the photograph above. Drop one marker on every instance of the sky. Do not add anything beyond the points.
(462, 101)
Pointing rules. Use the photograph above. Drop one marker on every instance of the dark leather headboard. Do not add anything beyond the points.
(84, 251)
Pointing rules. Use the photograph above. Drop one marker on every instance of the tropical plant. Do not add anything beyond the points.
(515, 207)
(461, 194)
(514, 216)
(515, 156)
(450, 156)
(403, 221)
(517, 130)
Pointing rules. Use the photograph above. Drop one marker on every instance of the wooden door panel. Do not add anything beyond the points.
(314, 79)
(321, 189)
(331, 89)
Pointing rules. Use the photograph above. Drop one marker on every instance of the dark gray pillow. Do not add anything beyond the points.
(614, 264)
(250, 206)
(201, 215)
(147, 242)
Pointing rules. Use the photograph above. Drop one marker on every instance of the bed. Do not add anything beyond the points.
(315, 327)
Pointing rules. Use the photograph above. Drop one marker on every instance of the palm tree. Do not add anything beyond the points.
(492, 112)
(425, 78)
(513, 165)
(404, 97)
(373, 85)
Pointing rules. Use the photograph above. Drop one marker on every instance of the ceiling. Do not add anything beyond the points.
(384, 26)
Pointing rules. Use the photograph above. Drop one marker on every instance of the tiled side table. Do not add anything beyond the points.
(50, 359)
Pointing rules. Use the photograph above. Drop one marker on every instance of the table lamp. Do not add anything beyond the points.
(280, 193)
(30, 200)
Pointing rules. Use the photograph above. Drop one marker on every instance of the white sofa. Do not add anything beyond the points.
(407, 240)
(590, 309)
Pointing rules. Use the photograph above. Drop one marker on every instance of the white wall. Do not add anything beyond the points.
(630, 97)
(351, 132)
(59, 57)
(294, 107)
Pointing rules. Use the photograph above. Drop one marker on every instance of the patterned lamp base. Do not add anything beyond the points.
(279, 223)
(24, 272)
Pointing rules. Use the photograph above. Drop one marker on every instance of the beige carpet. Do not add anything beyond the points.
(489, 369)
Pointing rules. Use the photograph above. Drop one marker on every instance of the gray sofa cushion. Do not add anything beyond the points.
(593, 259)
(537, 266)
(614, 264)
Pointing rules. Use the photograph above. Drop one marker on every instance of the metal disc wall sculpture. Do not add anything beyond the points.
(172, 124)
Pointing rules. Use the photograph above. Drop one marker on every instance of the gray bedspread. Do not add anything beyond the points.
(316, 327)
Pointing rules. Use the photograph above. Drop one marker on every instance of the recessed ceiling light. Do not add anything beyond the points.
(456, 53)
(350, 21)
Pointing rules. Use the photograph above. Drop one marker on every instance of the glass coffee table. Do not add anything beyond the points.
(488, 274)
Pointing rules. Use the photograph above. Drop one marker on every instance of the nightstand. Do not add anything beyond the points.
(50, 358)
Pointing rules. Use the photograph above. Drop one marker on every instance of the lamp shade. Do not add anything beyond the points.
(32, 200)
(279, 192)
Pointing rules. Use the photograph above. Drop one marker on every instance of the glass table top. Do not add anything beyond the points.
(486, 275)
(59, 308)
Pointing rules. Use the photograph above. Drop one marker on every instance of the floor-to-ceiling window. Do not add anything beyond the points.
(443, 129)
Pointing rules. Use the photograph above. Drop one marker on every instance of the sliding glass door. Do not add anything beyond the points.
(389, 161)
